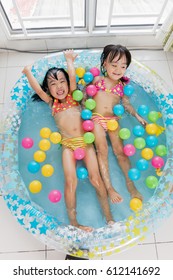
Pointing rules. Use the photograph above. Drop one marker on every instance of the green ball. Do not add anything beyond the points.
(90, 104)
(161, 150)
(77, 95)
(89, 137)
(153, 116)
(139, 143)
(151, 182)
(124, 133)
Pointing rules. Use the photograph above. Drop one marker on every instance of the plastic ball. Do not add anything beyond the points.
(77, 95)
(95, 71)
(39, 156)
(86, 114)
(124, 133)
(129, 150)
(151, 141)
(147, 153)
(45, 132)
(91, 90)
(112, 125)
(77, 79)
(35, 186)
(118, 110)
(55, 137)
(138, 130)
(88, 77)
(139, 143)
(151, 182)
(135, 204)
(82, 173)
(88, 125)
(89, 137)
(157, 162)
(153, 116)
(80, 71)
(47, 170)
(27, 142)
(33, 166)
(143, 110)
(128, 90)
(79, 153)
(44, 145)
(151, 128)
(142, 164)
(134, 174)
(55, 196)
(161, 150)
(90, 104)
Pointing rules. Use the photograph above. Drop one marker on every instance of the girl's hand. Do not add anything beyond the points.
(27, 69)
(141, 120)
(70, 55)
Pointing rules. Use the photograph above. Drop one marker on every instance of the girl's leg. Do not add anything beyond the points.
(123, 162)
(69, 165)
(102, 155)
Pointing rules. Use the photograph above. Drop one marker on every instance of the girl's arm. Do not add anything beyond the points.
(35, 85)
(70, 57)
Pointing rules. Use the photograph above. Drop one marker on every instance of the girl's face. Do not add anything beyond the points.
(58, 88)
(116, 68)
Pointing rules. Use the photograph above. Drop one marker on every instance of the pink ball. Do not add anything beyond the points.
(79, 153)
(157, 162)
(27, 142)
(88, 125)
(95, 71)
(129, 150)
(55, 196)
(91, 90)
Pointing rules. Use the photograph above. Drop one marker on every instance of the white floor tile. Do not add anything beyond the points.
(22, 59)
(55, 255)
(165, 251)
(3, 59)
(170, 62)
(169, 55)
(154, 55)
(2, 83)
(165, 232)
(40, 255)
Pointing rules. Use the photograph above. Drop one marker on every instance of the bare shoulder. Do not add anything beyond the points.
(96, 79)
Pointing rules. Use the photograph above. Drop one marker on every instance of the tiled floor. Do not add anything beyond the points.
(15, 242)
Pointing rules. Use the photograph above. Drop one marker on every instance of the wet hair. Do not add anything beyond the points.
(52, 72)
(112, 51)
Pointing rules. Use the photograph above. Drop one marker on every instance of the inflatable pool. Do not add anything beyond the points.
(48, 220)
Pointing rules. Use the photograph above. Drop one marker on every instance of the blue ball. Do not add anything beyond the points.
(143, 110)
(128, 90)
(33, 167)
(82, 173)
(134, 174)
(118, 110)
(77, 79)
(151, 141)
(86, 114)
(142, 164)
(138, 130)
(88, 77)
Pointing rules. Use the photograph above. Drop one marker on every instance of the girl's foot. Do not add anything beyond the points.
(114, 196)
(134, 193)
(85, 228)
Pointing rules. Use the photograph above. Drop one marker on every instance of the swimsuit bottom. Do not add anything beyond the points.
(103, 120)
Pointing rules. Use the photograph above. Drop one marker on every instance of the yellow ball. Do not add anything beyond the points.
(151, 128)
(44, 145)
(35, 186)
(47, 170)
(45, 132)
(55, 137)
(39, 156)
(135, 204)
(80, 71)
(147, 153)
(112, 125)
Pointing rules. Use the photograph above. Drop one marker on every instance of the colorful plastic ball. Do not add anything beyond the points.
(77, 79)
(91, 90)
(55, 137)
(128, 90)
(45, 132)
(147, 153)
(129, 150)
(77, 95)
(82, 173)
(134, 174)
(153, 116)
(86, 114)
(143, 110)
(139, 143)
(118, 110)
(151, 141)
(151, 128)
(90, 104)
(44, 145)
(138, 130)
(112, 125)
(157, 162)
(79, 153)
(35, 186)
(88, 77)
(55, 196)
(89, 137)
(47, 170)
(80, 71)
(136, 204)
(161, 150)
(142, 164)
(27, 142)
(124, 133)
(95, 71)
(39, 156)
(151, 182)
(33, 166)
(88, 125)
